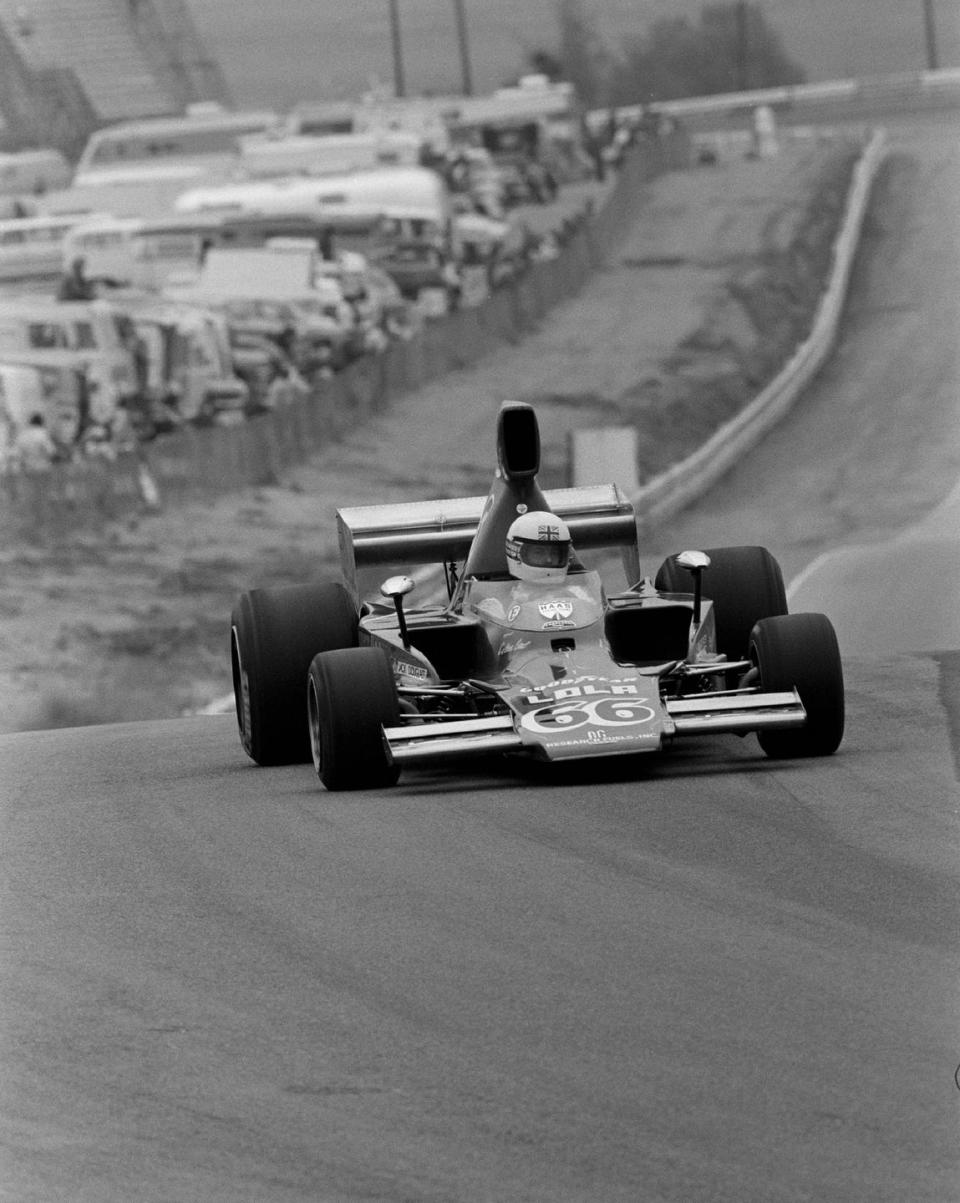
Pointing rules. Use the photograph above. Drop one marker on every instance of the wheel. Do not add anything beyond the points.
(351, 697)
(745, 584)
(274, 634)
(800, 651)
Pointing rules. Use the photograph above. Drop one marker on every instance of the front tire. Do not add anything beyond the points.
(800, 651)
(351, 697)
(745, 584)
(274, 635)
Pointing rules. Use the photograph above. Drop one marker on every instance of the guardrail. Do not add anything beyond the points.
(671, 490)
(872, 93)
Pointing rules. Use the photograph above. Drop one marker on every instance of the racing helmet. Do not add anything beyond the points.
(538, 547)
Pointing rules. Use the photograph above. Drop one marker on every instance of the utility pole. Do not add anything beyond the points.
(398, 85)
(743, 47)
(464, 47)
(931, 32)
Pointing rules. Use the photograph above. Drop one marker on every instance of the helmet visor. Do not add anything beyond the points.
(545, 555)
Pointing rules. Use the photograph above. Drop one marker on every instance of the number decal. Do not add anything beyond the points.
(594, 712)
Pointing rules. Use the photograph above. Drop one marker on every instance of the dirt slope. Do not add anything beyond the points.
(711, 290)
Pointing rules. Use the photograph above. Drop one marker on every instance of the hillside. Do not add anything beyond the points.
(291, 49)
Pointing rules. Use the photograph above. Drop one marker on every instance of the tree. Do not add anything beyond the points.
(731, 49)
(585, 60)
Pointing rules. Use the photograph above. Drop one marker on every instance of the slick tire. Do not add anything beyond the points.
(351, 697)
(800, 651)
(274, 634)
(745, 584)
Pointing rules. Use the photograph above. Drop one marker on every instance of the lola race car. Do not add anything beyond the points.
(362, 684)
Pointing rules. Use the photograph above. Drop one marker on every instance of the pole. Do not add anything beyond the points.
(464, 47)
(931, 32)
(398, 85)
(743, 47)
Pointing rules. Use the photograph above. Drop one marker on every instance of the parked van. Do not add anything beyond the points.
(94, 336)
(189, 373)
(55, 392)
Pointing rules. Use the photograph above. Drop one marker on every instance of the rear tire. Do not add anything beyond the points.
(745, 584)
(800, 651)
(351, 697)
(275, 633)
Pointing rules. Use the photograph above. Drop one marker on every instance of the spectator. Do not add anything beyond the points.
(74, 286)
(33, 449)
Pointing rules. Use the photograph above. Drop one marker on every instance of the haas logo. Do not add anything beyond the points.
(555, 609)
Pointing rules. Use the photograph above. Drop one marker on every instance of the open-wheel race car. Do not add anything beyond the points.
(529, 653)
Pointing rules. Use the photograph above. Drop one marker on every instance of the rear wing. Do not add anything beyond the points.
(442, 531)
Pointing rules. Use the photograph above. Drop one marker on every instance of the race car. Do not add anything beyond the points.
(549, 664)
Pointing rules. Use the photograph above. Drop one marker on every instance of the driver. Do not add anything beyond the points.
(538, 551)
(538, 548)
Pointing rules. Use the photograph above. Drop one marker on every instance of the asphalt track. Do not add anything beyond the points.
(703, 977)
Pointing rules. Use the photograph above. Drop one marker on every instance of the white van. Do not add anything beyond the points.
(54, 392)
(95, 336)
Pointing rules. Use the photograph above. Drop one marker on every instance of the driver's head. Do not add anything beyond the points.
(538, 547)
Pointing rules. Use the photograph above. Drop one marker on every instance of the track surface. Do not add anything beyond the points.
(703, 977)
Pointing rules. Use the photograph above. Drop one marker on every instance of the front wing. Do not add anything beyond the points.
(640, 728)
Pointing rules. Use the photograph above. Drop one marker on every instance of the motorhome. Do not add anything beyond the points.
(396, 186)
(105, 245)
(205, 136)
(31, 248)
(266, 157)
(416, 236)
(137, 168)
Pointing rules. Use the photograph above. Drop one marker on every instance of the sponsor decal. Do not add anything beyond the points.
(514, 646)
(555, 608)
(405, 669)
(582, 687)
(558, 624)
(512, 613)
